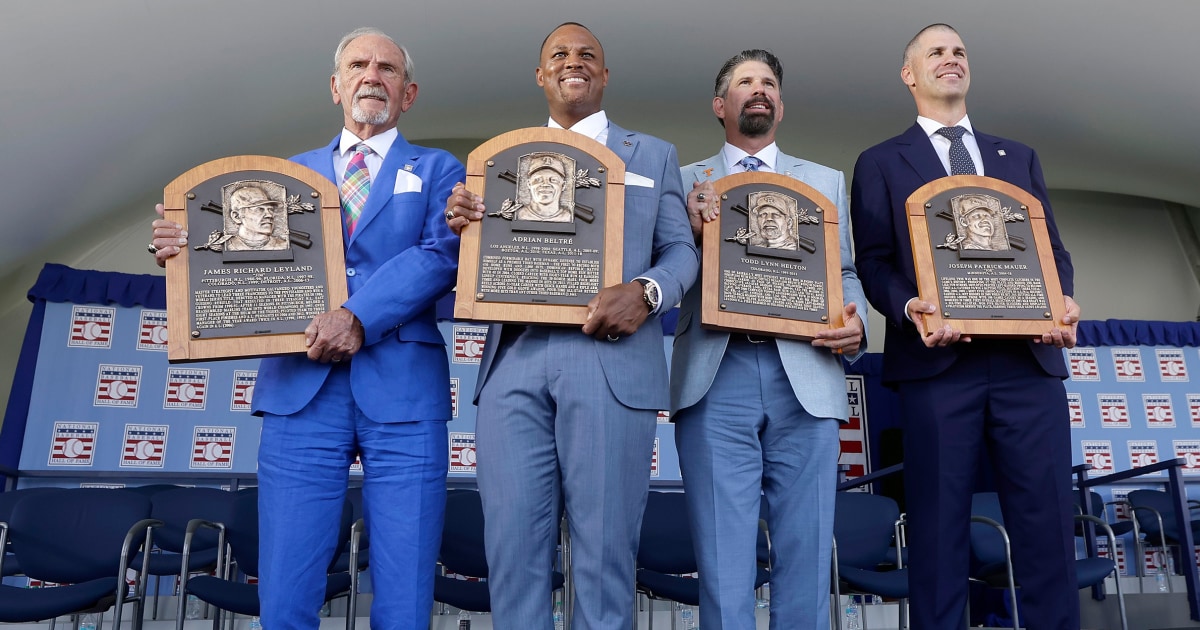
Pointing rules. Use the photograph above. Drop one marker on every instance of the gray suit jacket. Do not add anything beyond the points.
(815, 373)
(658, 245)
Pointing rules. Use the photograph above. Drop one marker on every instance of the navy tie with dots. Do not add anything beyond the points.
(960, 161)
(750, 163)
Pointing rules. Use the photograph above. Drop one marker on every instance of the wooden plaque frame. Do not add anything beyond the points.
(929, 216)
(490, 179)
(318, 209)
(732, 190)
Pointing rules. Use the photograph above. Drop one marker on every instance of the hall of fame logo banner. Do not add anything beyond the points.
(1099, 454)
(853, 434)
(73, 443)
(1143, 453)
(212, 448)
(1084, 366)
(152, 331)
(1120, 499)
(1171, 366)
(1102, 552)
(454, 397)
(356, 465)
(655, 469)
(1159, 412)
(117, 385)
(243, 390)
(1189, 451)
(91, 327)
(1127, 363)
(145, 446)
(468, 343)
(186, 388)
(1114, 411)
(462, 452)
(1193, 407)
(1075, 409)
(664, 417)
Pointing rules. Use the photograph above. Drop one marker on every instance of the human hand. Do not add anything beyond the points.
(844, 340)
(333, 336)
(615, 311)
(168, 237)
(462, 207)
(943, 336)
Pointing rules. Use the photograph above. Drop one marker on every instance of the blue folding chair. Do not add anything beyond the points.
(865, 529)
(9, 565)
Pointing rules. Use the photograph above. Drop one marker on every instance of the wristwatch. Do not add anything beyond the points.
(649, 293)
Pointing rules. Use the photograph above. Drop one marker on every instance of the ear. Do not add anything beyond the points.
(719, 107)
(537, 74)
(605, 83)
(333, 89)
(779, 111)
(408, 97)
(906, 75)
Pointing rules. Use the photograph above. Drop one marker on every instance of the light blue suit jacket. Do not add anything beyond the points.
(400, 260)
(636, 366)
(815, 373)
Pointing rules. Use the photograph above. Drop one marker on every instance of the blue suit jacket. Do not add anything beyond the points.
(884, 176)
(815, 374)
(636, 366)
(400, 260)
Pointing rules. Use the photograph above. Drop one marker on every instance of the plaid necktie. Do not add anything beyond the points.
(355, 187)
(960, 161)
(750, 163)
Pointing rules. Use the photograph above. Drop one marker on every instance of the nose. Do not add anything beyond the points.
(371, 74)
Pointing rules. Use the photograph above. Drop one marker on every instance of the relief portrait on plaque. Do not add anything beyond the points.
(773, 226)
(545, 185)
(255, 223)
(979, 228)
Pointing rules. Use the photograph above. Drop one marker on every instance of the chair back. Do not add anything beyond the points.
(149, 490)
(987, 544)
(863, 526)
(1157, 500)
(76, 534)
(8, 500)
(462, 550)
(179, 505)
(666, 543)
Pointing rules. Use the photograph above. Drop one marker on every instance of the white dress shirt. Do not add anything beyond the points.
(379, 143)
(941, 144)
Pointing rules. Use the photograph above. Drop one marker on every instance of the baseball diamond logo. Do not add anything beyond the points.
(91, 327)
(152, 331)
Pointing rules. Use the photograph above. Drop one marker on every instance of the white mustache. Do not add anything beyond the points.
(368, 91)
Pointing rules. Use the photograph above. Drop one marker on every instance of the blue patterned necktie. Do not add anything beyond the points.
(960, 161)
(355, 187)
(751, 163)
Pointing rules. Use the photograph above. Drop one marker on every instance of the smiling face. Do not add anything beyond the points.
(935, 68)
(545, 187)
(253, 211)
(979, 222)
(370, 85)
(752, 101)
(572, 73)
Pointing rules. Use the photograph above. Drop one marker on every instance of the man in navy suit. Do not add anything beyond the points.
(757, 417)
(967, 403)
(571, 412)
(376, 379)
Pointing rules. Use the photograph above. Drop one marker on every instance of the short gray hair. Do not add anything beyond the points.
(369, 30)
(911, 47)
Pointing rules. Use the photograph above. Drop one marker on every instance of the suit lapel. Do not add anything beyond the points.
(788, 165)
(622, 142)
(384, 182)
(325, 165)
(995, 163)
(917, 151)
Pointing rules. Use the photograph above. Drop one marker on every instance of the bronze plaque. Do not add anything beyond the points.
(772, 259)
(264, 257)
(552, 234)
(983, 257)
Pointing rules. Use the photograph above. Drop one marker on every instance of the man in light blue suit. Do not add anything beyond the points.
(570, 413)
(376, 379)
(758, 416)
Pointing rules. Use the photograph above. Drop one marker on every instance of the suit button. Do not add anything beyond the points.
(350, 271)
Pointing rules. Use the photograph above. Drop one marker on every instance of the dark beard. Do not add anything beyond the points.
(754, 125)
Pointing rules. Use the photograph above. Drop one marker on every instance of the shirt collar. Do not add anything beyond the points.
(379, 143)
(592, 126)
(732, 155)
(930, 126)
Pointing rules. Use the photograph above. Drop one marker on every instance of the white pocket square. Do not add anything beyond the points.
(633, 179)
(406, 182)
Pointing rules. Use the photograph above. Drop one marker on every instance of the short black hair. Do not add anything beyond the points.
(721, 86)
(547, 38)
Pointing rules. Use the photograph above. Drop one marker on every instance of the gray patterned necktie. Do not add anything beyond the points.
(960, 161)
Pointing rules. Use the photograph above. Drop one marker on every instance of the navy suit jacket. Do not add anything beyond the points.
(400, 260)
(658, 245)
(884, 176)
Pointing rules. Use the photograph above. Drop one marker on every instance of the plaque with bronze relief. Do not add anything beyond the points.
(983, 257)
(264, 256)
(772, 261)
(552, 234)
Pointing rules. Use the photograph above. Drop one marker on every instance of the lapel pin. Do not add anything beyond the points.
(708, 172)
(408, 167)
(628, 143)
(1001, 152)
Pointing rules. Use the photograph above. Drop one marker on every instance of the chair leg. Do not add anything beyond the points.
(1120, 597)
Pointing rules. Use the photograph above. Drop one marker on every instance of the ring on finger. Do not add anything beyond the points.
(700, 197)
(151, 248)
(449, 215)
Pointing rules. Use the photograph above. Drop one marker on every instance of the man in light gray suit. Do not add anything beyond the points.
(757, 415)
(571, 413)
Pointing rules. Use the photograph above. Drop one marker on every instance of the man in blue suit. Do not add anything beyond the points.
(967, 403)
(759, 415)
(571, 414)
(376, 379)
